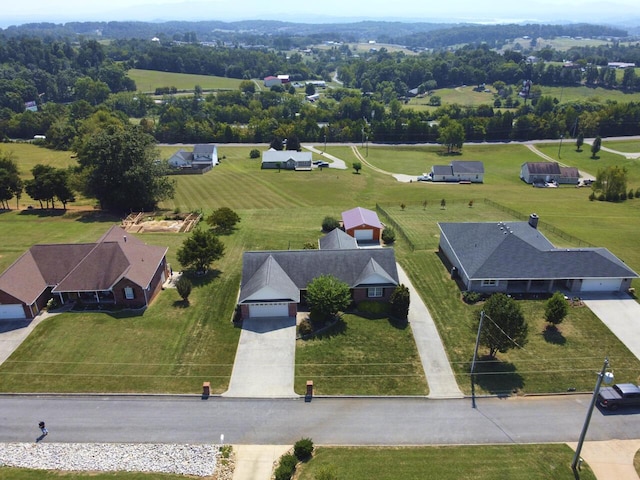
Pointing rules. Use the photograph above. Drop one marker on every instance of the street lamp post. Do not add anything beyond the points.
(608, 378)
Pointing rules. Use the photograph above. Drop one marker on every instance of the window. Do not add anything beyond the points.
(489, 283)
(375, 292)
(128, 293)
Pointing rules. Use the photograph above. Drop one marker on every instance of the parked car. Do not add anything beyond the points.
(620, 395)
(425, 177)
(323, 164)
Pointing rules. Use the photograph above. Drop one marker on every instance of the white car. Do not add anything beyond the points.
(425, 177)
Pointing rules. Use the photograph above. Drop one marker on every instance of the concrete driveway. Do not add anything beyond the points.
(437, 369)
(621, 314)
(265, 359)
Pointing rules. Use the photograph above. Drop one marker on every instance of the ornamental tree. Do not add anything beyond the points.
(327, 296)
(556, 309)
(199, 250)
(504, 326)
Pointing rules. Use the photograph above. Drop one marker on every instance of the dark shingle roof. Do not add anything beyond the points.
(442, 170)
(336, 239)
(515, 250)
(543, 168)
(302, 266)
(467, 166)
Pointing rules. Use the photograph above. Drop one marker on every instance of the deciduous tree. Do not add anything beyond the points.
(122, 171)
(223, 220)
(327, 296)
(504, 326)
(199, 250)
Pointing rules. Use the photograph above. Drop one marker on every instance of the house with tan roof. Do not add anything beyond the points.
(118, 269)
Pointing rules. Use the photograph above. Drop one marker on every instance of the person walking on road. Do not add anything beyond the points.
(43, 429)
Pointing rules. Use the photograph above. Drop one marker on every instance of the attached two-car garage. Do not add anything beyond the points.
(601, 285)
(11, 311)
(262, 310)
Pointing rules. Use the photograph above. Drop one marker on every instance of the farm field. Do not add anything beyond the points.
(281, 210)
(148, 80)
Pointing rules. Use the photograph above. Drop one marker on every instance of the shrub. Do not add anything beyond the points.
(52, 304)
(399, 302)
(601, 197)
(303, 449)
(388, 235)
(310, 246)
(184, 286)
(305, 327)
(255, 153)
(373, 309)
(286, 467)
(638, 193)
(592, 196)
(329, 224)
(471, 297)
(630, 195)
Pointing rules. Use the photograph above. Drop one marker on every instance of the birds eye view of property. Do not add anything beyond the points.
(266, 249)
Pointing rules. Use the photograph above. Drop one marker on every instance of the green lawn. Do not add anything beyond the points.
(534, 462)
(173, 349)
(148, 80)
(623, 146)
(361, 357)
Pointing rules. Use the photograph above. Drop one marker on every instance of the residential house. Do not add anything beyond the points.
(274, 282)
(362, 224)
(202, 156)
(515, 257)
(118, 269)
(286, 159)
(459, 171)
(337, 239)
(548, 172)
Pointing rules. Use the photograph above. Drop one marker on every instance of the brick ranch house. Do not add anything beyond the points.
(274, 282)
(116, 270)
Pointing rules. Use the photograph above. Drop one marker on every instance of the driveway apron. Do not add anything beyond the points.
(621, 314)
(265, 359)
(440, 377)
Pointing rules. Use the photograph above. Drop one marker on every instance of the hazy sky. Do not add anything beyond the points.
(321, 11)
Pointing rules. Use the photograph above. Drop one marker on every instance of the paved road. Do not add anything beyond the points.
(344, 421)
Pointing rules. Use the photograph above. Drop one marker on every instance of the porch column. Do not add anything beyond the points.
(97, 296)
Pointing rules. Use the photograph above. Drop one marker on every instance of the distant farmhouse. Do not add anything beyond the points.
(458, 171)
(271, 81)
(515, 257)
(203, 156)
(286, 159)
(548, 172)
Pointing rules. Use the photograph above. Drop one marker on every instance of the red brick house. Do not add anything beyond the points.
(117, 270)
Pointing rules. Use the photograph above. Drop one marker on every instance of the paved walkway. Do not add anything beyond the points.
(610, 460)
(265, 360)
(255, 462)
(437, 369)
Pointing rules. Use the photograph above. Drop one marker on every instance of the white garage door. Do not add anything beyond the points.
(269, 310)
(604, 285)
(11, 311)
(364, 234)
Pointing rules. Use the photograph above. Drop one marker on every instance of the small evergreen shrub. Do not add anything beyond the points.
(388, 235)
(305, 327)
(255, 153)
(399, 302)
(329, 224)
(286, 468)
(471, 297)
(303, 449)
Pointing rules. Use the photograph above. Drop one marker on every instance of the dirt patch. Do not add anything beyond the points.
(142, 222)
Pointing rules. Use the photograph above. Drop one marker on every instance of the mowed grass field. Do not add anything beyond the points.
(148, 80)
(173, 349)
(534, 462)
(465, 95)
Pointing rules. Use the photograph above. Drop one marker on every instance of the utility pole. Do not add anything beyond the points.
(473, 362)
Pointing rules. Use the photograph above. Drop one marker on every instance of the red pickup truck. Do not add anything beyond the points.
(620, 395)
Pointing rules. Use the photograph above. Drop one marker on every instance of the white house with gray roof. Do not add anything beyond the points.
(459, 171)
(286, 159)
(203, 155)
(274, 282)
(515, 257)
